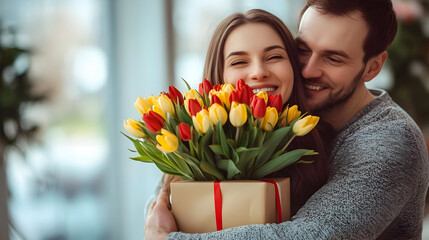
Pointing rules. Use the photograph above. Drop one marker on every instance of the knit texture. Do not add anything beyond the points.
(376, 189)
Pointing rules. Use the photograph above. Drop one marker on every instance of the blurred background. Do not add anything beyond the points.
(70, 73)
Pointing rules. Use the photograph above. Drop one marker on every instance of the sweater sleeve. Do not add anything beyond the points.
(374, 173)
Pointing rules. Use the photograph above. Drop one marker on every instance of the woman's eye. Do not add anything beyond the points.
(237, 63)
(275, 57)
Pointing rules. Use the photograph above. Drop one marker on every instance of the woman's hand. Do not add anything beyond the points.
(159, 221)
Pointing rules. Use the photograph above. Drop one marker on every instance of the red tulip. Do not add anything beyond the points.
(194, 107)
(276, 102)
(244, 92)
(258, 107)
(240, 84)
(153, 121)
(174, 94)
(185, 131)
(205, 87)
(215, 99)
(234, 97)
(217, 87)
(166, 94)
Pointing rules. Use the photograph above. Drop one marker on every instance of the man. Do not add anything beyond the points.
(379, 169)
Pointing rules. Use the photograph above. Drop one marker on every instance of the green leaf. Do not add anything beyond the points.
(229, 166)
(222, 139)
(171, 123)
(189, 157)
(204, 145)
(165, 168)
(212, 170)
(247, 157)
(137, 144)
(253, 132)
(189, 87)
(234, 154)
(180, 165)
(152, 150)
(244, 139)
(217, 149)
(142, 159)
(193, 164)
(260, 137)
(280, 162)
(184, 116)
(268, 148)
(193, 148)
(231, 142)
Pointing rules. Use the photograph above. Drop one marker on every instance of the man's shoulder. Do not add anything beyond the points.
(382, 115)
(384, 130)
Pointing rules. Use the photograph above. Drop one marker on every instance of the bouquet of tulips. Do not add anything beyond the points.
(221, 132)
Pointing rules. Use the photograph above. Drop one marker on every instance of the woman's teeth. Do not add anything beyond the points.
(312, 87)
(255, 91)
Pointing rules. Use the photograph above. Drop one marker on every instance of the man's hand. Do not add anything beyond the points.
(159, 221)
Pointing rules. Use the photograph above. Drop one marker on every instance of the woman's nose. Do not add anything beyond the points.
(259, 72)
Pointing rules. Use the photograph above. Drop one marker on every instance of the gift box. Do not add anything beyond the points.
(207, 206)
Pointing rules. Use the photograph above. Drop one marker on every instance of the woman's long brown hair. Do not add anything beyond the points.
(305, 178)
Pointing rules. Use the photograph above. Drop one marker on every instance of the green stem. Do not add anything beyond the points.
(287, 144)
(237, 134)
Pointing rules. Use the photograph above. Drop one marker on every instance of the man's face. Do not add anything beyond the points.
(331, 54)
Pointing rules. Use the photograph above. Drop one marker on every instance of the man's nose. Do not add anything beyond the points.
(311, 68)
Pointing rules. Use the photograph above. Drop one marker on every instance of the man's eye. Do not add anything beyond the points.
(303, 51)
(334, 60)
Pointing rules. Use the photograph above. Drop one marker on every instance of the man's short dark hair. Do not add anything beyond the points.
(378, 14)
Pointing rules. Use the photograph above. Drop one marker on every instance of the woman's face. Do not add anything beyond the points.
(255, 53)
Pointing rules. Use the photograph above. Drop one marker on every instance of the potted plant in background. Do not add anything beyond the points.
(15, 95)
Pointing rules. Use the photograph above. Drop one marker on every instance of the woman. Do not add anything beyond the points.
(257, 47)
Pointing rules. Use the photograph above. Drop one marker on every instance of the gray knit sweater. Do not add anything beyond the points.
(376, 189)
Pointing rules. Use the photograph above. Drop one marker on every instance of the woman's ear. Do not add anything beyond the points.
(374, 66)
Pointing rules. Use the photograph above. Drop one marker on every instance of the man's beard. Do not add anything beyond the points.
(340, 98)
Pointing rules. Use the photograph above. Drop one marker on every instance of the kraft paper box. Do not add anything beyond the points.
(244, 202)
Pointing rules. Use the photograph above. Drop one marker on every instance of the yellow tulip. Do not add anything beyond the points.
(228, 87)
(142, 105)
(223, 96)
(152, 100)
(202, 121)
(238, 114)
(193, 94)
(305, 125)
(168, 142)
(217, 113)
(165, 104)
(270, 119)
(157, 109)
(133, 127)
(289, 115)
(263, 95)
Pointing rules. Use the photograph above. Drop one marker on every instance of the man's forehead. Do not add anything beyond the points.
(345, 33)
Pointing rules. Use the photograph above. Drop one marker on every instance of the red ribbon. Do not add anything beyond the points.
(218, 205)
(278, 203)
(218, 202)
